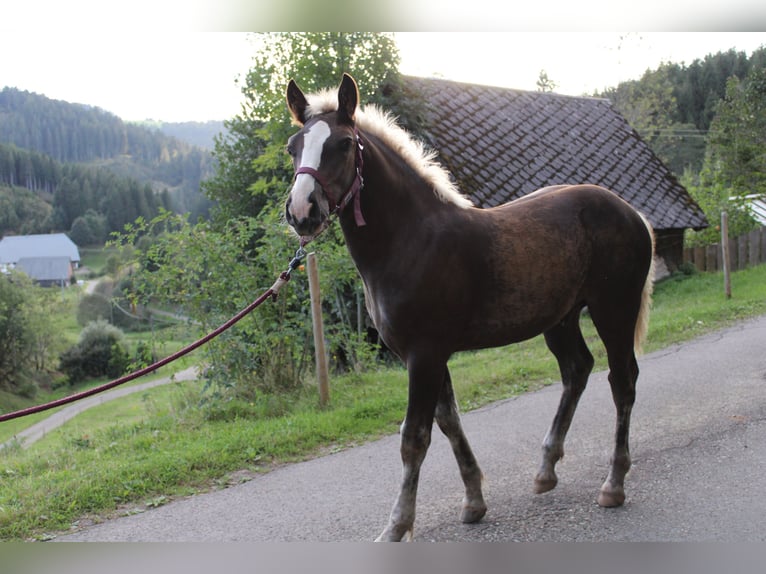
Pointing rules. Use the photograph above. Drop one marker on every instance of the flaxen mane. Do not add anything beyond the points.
(383, 125)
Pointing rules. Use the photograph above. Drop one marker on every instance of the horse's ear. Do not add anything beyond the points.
(296, 103)
(348, 98)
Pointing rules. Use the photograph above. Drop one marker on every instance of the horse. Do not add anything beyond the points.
(442, 276)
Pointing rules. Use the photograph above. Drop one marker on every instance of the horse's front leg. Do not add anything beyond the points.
(425, 381)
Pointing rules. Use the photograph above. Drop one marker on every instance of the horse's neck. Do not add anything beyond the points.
(395, 202)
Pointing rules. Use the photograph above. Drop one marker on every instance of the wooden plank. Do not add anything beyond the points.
(754, 247)
(719, 255)
(699, 258)
(711, 258)
(741, 251)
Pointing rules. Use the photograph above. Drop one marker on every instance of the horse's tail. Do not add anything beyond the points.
(642, 322)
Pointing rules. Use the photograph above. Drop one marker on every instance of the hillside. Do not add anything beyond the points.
(673, 106)
(41, 195)
(200, 134)
(43, 142)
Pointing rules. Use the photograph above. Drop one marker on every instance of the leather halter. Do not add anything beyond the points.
(353, 191)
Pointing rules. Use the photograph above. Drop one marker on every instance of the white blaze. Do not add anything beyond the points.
(313, 142)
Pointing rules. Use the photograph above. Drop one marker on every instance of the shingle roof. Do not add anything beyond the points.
(15, 247)
(501, 144)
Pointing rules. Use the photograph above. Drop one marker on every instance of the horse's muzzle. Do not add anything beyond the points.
(307, 221)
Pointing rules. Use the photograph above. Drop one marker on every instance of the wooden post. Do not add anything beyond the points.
(725, 252)
(323, 376)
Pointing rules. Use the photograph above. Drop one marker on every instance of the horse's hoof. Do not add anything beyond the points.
(611, 496)
(395, 535)
(471, 514)
(545, 483)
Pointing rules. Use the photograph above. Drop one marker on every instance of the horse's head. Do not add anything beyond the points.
(326, 153)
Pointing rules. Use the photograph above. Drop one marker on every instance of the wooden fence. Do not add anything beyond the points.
(744, 251)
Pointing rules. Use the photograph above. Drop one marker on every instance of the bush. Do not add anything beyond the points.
(209, 273)
(28, 390)
(687, 268)
(108, 302)
(93, 307)
(99, 352)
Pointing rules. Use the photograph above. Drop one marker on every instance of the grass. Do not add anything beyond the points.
(146, 449)
(166, 340)
(94, 258)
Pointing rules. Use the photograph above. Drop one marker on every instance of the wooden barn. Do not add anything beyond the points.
(500, 144)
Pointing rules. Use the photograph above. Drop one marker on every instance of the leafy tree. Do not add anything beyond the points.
(209, 274)
(27, 344)
(213, 269)
(15, 336)
(252, 166)
(699, 86)
(46, 343)
(23, 212)
(735, 163)
(647, 103)
(89, 229)
(81, 233)
(738, 135)
(544, 83)
(714, 198)
(673, 106)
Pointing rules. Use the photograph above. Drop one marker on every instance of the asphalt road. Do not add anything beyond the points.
(699, 469)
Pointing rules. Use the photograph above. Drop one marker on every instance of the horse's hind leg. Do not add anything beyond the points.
(575, 363)
(617, 333)
(623, 373)
(448, 419)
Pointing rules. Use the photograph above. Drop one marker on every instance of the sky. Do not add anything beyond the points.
(184, 75)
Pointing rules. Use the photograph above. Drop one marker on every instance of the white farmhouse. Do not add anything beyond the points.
(48, 259)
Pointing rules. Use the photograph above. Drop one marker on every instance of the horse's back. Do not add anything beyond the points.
(564, 246)
(598, 213)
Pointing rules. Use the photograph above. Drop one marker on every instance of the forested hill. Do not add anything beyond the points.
(200, 134)
(57, 150)
(78, 133)
(41, 195)
(674, 105)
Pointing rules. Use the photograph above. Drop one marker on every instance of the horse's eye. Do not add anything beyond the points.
(345, 144)
(290, 150)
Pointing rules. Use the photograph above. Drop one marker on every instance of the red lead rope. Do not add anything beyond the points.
(271, 292)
